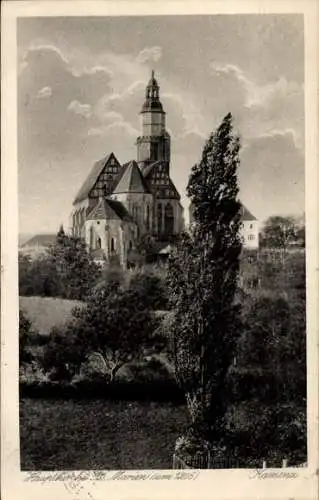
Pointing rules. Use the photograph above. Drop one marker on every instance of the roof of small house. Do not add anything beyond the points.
(107, 209)
(92, 178)
(245, 214)
(131, 181)
(41, 240)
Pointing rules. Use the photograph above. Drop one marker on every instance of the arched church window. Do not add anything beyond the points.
(112, 245)
(98, 243)
(134, 211)
(169, 219)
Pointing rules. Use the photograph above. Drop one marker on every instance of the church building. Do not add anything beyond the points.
(119, 204)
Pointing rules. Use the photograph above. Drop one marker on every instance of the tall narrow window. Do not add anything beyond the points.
(91, 238)
(169, 219)
(112, 245)
(159, 217)
(98, 243)
(147, 217)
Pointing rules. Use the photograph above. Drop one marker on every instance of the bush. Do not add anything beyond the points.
(151, 288)
(266, 386)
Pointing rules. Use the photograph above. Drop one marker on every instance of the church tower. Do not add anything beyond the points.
(154, 143)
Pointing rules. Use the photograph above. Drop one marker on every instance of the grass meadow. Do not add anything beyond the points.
(47, 312)
(98, 434)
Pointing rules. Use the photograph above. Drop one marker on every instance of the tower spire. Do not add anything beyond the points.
(154, 143)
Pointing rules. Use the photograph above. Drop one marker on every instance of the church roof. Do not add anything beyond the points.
(120, 210)
(147, 170)
(92, 178)
(108, 209)
(131, 180)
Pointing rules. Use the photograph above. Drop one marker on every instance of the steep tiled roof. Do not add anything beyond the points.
(92, 178)
(108, 209)
(41, 240)
(131, 180)
(147, 175)
(149, 168)
(120, 210)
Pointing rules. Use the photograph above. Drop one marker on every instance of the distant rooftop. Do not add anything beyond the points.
(40, 240)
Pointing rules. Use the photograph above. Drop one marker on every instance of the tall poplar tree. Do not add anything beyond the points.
(202, 280)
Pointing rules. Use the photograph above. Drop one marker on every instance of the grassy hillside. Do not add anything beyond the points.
(46, 312)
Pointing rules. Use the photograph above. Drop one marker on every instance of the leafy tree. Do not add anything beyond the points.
(63, 353)
(269, 374)
(114, 326)
(146, 250)
(75, 267)
(38, 277)
(202, 278)
(301, 236)
(278, 231)
(151, 288)
(25, 333)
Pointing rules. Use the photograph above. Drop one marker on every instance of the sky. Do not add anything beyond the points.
(81, 86)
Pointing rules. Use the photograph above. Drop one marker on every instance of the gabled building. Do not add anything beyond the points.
(118, 204)
(249, 229)
(38, 245)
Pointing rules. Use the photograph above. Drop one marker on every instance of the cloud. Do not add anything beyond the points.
(114, 123)
(270, 108)
(44, 92)
(41, 49)
(46, 66)
(80, 109)
(258, 95)
(149, 54)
